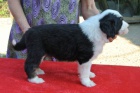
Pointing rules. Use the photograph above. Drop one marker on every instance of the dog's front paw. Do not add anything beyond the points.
(87, 82)
(36, 80)
(39, 71)
(91, 75)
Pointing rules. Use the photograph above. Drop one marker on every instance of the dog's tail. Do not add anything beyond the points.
(19, 45)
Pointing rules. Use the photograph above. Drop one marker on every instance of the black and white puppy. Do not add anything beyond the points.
(81, 42)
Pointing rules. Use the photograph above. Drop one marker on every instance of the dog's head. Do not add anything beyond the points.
(112, 23)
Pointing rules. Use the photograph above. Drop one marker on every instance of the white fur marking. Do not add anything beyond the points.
(124, 29)
(87, 82)
(92, 75)
(39, 71)
(84, 71)
(91, 28)
(36, 80)
(42, 59)
(13, 42)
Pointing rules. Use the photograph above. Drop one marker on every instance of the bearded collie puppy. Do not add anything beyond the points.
(81, 42)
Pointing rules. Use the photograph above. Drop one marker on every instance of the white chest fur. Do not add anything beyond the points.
(92, 30)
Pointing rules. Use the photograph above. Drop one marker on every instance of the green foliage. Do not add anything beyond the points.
(4, 10)
(2, 0)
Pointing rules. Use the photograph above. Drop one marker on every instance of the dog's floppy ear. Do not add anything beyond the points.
(110, 25)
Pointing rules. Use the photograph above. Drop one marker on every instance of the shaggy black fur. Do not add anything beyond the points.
(64, 42)
(110, 25)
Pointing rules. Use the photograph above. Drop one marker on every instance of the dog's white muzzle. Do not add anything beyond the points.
(124, 29)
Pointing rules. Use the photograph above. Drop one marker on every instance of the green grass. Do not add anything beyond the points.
(4, 10)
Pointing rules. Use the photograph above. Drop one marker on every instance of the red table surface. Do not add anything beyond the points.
(62, 77)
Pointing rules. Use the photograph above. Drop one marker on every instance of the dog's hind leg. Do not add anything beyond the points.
(32, 70)
(32, 64)
(39, 71)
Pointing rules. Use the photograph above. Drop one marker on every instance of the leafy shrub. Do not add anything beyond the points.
(4, 10)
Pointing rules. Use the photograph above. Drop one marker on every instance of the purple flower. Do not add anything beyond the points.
(55, 9)
(11, 35)
(72, 22)
(29, 18)
(72, 5)
(40, 22)
(62, 19)
(24, 51)
(18, 30)
(46, 5)
(8, 53)
(27, 3)
(36, 8)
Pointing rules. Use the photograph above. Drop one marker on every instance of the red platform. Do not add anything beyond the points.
(62, 77)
